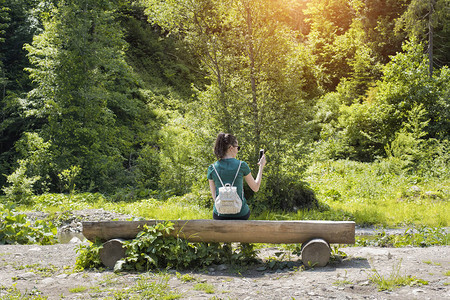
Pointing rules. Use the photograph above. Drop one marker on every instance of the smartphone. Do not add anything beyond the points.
(261, 153)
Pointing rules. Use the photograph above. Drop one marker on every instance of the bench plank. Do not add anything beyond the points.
(249, 231)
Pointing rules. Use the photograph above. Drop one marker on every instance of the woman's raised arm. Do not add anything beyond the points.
(254, 184)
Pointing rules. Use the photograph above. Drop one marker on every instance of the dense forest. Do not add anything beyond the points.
(126, 98)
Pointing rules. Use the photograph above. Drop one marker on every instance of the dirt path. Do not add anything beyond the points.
(48, 271)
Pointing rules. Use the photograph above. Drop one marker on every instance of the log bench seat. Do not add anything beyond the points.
(315, 236)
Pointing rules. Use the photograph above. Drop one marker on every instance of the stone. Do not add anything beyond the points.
(414, 189)
(75, 240)
(418, 291)
(365, 283)
(48, 280)
(26, 276)
(222, 267)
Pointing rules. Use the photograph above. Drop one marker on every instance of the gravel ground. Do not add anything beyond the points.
(47, 271)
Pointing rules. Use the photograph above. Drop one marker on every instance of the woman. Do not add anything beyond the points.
(229, 168)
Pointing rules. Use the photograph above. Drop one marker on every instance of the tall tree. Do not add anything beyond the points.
(18, 24)
(329, 19)
(204, 26)
(83, 87)
(428, 20)
(378, 18)
(244, 49)
(274, 75)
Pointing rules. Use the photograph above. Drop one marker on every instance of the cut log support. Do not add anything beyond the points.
(249, 231)
(111, 252)
(316, 253)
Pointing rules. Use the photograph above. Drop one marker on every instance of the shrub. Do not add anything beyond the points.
(16, 229)
(21, 186)
(154, 249)
(282, 192)
(88, 256)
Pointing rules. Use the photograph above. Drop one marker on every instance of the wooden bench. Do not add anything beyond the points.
(315, 236)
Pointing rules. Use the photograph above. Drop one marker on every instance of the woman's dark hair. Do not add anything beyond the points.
(223, 142)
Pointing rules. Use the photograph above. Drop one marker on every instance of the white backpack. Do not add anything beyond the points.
(228, 200)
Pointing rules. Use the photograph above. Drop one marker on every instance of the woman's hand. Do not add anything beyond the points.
(254, 184)
(262, 161)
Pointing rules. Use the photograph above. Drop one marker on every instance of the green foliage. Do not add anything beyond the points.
(174, 208)
(262, 104)
(64, 202)
(67, 178)
(163, 62)
(18, 24)
(34, 169)
(4, 18)
(409, 147)
(200, 198)
(185, 277)
(78, 289)
(424, 18)
(16, 229)
(21, 186)
(328, 20)
(154, 249)
(281, 192)
(147, 168)
(88, 256)
(244, 254)
(363, 126)
(206, 287)
(136, 106)
(90, 101)
(406, 83)
(182, 155)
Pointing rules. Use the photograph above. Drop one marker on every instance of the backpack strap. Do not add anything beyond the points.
(237, 172)
(218, 175)
(235, 176)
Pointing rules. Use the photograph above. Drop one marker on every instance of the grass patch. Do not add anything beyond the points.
(375, 194)
(158, 209)
(171, 209)
(417, 237)
(14, 293)
(394, 279)
(78, 289)
(38, 269)
(428, 262)
(206, 287)
(185, 277)
(342, 282)
(149, 286)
